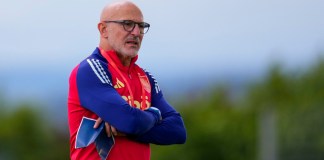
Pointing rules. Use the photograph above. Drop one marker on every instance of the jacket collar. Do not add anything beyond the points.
(113, 55)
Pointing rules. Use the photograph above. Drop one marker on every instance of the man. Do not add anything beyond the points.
(109, 86)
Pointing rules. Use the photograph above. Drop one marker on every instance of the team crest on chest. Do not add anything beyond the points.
(145, 83)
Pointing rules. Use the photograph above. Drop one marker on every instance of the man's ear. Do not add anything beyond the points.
(102, 27)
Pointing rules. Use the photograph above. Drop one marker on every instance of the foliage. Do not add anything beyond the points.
(23, 135)
(216, 130)
(220, 128)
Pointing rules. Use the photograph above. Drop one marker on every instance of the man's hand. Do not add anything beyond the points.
(110, 130)
(156, 111)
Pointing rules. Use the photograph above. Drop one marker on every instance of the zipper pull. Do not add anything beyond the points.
(130, 76)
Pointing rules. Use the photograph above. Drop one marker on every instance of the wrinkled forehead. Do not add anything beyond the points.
(126, 11)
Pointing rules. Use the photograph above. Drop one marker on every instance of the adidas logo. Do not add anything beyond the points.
(119, 84)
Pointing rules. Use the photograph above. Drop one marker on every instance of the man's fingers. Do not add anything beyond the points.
(108, 130)
(114, 131)
(98, 121)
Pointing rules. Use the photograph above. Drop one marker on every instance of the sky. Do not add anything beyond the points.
(190, 42)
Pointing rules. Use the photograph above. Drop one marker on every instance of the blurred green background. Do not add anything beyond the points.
(245, 75)
(279, 116)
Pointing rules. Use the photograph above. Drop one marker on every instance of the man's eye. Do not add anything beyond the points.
(141, 25)
(128, 23)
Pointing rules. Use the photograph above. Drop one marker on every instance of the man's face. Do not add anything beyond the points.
(125, 43)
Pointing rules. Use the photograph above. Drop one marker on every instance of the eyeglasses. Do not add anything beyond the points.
(129, 25)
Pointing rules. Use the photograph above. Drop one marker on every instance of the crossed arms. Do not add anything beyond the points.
(142, 126)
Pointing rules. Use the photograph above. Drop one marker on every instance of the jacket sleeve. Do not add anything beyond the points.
(97, 94)
(171, 129)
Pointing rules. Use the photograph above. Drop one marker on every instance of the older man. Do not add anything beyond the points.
(109, 86)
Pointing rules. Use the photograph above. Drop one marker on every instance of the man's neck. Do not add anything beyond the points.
(124, 60)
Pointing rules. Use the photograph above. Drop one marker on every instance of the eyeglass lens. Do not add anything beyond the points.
(129, 26)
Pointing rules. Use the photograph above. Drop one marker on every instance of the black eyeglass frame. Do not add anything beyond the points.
(130, 22)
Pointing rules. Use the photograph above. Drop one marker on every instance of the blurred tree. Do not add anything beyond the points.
(24, 135)
(301, 120)
(223, 129)
(216, 130)
(298, 101)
